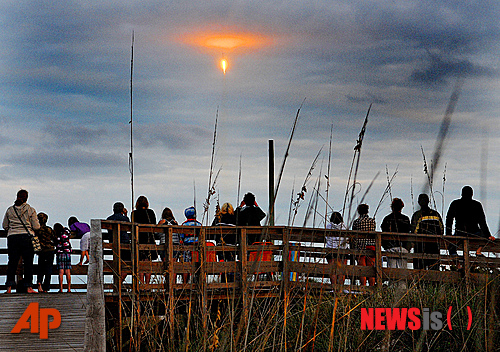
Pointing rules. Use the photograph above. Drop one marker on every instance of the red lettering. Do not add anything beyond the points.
(379, 318)
(414, 323)
(396, 318)
(367, 318)
(44, 321)
(23, 323)
(36, 316)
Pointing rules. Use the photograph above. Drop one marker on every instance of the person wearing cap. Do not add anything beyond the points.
(189, 239)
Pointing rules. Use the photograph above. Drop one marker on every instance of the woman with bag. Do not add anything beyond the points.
(20, 222)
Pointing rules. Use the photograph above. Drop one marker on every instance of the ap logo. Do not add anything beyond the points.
(39, 319)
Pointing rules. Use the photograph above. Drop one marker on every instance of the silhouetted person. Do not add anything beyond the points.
(428, 222)
(365, 223)
(20, 222)
(249, 214)
(396, 222)
(470, 220)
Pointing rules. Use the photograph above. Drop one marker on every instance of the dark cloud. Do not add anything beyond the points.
(68, 136)
(439, 70)
(71, 159)
(172, 136)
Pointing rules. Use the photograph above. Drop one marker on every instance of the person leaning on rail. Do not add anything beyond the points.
(365, 223)
(469, 218)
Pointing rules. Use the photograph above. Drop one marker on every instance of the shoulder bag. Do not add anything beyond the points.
(34, 238)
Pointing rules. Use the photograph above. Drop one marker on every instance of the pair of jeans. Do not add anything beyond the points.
(20, 246)
(45, 262)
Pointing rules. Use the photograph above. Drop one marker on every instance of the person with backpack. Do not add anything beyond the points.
(426, 221)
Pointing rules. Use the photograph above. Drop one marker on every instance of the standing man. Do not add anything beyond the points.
(396, 222)
(470, 220)
(249, 214)
(428, 222)
(120, 214)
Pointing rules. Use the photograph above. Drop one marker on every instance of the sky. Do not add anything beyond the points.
(65, 70)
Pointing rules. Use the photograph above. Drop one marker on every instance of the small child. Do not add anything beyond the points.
(63, 254)
(46, 256)
(81, 231)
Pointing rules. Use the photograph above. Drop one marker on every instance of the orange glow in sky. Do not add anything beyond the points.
(225, 42)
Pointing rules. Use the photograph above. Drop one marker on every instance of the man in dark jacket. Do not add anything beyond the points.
(470, 220)
(249, 214)
(426, 221)
(396, 222)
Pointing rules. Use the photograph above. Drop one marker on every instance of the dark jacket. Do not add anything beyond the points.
(469, 218)
(395, 222)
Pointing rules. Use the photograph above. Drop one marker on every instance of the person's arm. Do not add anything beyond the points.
(35, 225)
(450, 216)
(5, 223)
(483, 225)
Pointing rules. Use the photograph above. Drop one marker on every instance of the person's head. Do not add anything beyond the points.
(167, 214)
(142, 203)
(21, 197)
(249, 199)
(336, 218)
(58, 228)
(363, 209)
(423, 200)
(72, 220)
(42, 218)
(190, 213)
(467, 192)
(397, 205)
(118, 208)
(227, 208)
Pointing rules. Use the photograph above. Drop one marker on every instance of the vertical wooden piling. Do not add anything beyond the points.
(467, 264)
(95, 324)
(172, 278)
(378, 259)
(271, 182)
(203, 285)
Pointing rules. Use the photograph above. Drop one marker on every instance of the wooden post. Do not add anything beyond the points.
(467, 264)
(286, 263)
(117, 282)
(378, 259)
(95, 324)
(244, 282)
(172, 278)
(203, 285)
(271, 182)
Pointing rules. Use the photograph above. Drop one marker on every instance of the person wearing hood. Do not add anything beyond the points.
(189, 239)
(20, 222)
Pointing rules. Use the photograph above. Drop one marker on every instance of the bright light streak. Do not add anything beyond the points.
(223, 64)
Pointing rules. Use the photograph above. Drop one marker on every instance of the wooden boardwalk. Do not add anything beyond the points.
(69, 336)
(282, 261)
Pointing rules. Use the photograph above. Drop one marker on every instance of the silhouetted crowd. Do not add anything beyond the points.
(28, 234)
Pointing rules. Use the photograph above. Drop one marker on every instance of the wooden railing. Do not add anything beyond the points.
(208, 271)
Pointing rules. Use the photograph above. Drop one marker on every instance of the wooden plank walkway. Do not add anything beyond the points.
(68, 337)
